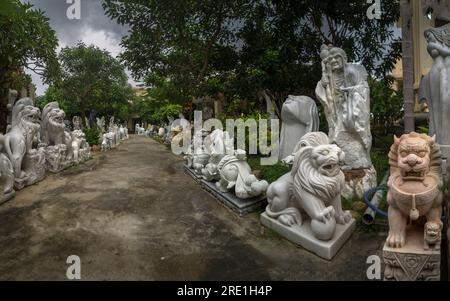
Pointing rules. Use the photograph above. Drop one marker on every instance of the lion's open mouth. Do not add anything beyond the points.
(57, 119)
(413, 174)
(330, 169)
(32, 118)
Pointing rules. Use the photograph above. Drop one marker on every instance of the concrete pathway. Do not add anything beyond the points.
(133, 214)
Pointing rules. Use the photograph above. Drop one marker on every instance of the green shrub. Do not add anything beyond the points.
(92, 135)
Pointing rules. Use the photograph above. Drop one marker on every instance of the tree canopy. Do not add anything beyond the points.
(248, 48)
(93, 80)
(26, 41)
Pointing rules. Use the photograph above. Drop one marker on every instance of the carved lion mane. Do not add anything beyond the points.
(53, 124)
(316, 170)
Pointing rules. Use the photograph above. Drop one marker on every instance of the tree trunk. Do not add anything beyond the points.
(3, 111)
(408, 64)
(83, 111)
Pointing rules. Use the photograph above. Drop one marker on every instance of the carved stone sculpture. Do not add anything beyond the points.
(235, 173)
(197, 155)
(6, 174)
(218, 144)
(415, 205)
(434, 87)
(12, 96)
(139, 130)
(58, 147)
(161, 132)
(299, 116)
(305, 204)
(415, 187)
(76, 120)
(80, 148)
(123, 132)
(28, 163)
(345, 96)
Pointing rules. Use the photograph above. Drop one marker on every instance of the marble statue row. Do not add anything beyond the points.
(37, 142)
(111, 136)
(305, 204)
(215, 160)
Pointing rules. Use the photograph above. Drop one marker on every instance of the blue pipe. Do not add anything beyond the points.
(367, 201)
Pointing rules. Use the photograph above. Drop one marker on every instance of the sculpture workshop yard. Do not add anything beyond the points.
(133, 214)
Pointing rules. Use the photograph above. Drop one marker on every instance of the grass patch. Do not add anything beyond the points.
(270, 173)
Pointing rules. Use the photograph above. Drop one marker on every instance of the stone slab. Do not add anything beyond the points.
(412, 262)
(197, 178)
(239, 206)
(302, 235)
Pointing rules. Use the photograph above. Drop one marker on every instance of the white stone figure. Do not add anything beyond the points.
(12, 96)
(139, 129)
(28, 163)
(6, 174)
(345, 96)
(235, 173)
(305, 204)
(123, 132)
(101, 128)
(161, 132)
(86, 120)
(76, 120)
(197, 155)
(434, 87)
(58, 144)
(299, 116)
(80, 148)
(107, 141)
(218, 144)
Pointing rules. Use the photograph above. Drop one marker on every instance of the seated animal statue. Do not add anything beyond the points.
(312, 188)
(80, 147)
(218, 144)
(197, 156)
(57, 141)
(236, 173)
(107, 142)
(28, 163)
(415, 189)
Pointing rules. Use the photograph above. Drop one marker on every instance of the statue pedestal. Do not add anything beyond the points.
(302, 235)
(7, 196)
(56, 158)
(190, 171)
(412, 262)
(240, 206)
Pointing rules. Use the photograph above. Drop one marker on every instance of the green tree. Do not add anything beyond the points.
(282, 39)
(173, 43)
(94, 80)
(26, 41)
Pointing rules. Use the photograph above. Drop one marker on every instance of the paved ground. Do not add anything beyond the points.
(133, 214)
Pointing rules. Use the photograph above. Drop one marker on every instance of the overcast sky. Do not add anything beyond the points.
(94, 27)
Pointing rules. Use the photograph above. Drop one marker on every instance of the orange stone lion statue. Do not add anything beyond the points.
(415, 189)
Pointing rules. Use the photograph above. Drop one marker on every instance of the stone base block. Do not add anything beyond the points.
(302, 236)
(412, 262)
(7, 196)
(240, 206)
(197, 178)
